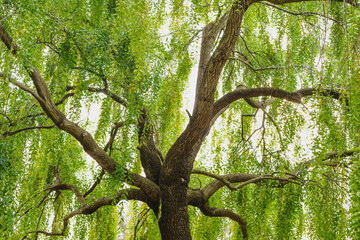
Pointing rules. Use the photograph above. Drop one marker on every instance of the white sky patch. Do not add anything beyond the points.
(190, 92)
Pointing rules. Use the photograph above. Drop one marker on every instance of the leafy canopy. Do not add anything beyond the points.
(104, 61)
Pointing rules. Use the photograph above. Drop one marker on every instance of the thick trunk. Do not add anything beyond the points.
(174, 221)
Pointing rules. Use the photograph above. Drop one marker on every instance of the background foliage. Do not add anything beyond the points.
(147, 50)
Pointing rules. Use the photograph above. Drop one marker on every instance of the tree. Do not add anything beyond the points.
(271, 144)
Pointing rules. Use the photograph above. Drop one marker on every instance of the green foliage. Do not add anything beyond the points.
(123, 47)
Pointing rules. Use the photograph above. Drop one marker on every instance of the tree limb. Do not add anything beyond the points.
(307, 14)
(248, 93)
(8, 134)
(19, 84)
(262, 68)
(328, 156)
(150, 155)
(85, 209)
(244, 179)
(220, 212)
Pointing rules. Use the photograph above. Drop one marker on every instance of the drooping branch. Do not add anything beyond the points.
(108, 145)
(8, 118)
(328, 156)
(65, 224)
(226, 180)
(244, 179)
(127, 194)
(113, 133)
(8, 134)
(336, 94)
(105, 91)
(62, 100)
(262, 68)
(85, 209)
(97, 181)
(221, 212)
(247, 93)
(217, 177)
(19, 84)
(34, 115)
(305, 14)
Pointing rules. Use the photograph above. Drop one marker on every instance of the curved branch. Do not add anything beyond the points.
(19, 84)
(97, 181)
(105, 91)
(244, 179)
(263, 68)
(62, 100)
(220, 212)
(328, 156)
(247, 93)
(336, 94)
(8, 134)
(8, 118)
(127, 194)
(66, 221)
(217, 177)
(113, 133)
(306, 14)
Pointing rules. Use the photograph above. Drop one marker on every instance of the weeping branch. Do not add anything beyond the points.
(16, 83)
(220, 212)
(328, 156)
(85, 209)
(244, 179)
(263, 68)
(108, 145)
(8, 118)
(247, 93)
(104, 91)
(8, 134)
(97, 181)
(113, 133)
(305, 14)
(224, 179)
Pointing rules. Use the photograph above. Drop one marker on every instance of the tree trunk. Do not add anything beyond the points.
(174, 221)
(174, 180)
